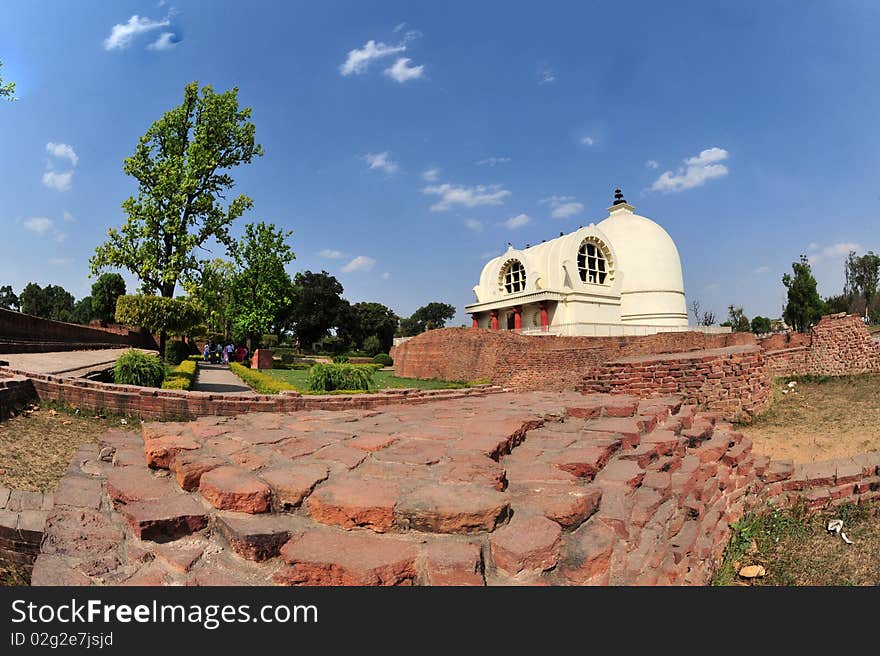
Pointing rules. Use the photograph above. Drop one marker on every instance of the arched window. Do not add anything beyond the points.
(592, 263)
(513, 277)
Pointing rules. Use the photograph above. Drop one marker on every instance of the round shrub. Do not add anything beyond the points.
(137, 368)
(330, 377)
(384, 359)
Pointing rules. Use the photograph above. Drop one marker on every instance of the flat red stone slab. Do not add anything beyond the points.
(413, 452)
(453, 563)
(188, 467)
(450, 508)
(355, 502)
(586, 555)
(327, 557)
(473, 468)
(257, 537)
(526, 544)
(129, 484)
(160, 451)
(371, 442)
(348, 456)
(234, 488)
(291, 484)
(568, 504)
(165, 519)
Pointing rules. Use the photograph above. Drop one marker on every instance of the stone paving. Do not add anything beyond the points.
(516, 489)
(218, 379)
(64, 362)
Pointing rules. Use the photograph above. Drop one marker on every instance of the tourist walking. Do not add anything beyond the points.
(227, 353)
(206, 352)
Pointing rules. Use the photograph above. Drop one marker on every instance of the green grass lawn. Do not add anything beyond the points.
(383, 379)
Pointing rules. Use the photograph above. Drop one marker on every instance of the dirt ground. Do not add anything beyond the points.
(37, 445)
(819, 419)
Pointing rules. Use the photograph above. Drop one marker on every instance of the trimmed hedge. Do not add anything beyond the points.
(260, 382)
(182, 377)
(384, 359)
(137, 368)
(330, 377)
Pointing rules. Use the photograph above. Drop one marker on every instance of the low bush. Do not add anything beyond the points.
(340, 359)
(384, 359)
(269, 341)
(372, 345)
(137, 368)
(176, 351)
(330, 377)
(182, 377)
(260, 382)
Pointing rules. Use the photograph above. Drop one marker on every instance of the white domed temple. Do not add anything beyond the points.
(619, 277)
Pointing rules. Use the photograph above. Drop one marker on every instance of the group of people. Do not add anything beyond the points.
(217, 353)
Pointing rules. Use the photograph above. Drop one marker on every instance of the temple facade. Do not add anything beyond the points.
(621, 276)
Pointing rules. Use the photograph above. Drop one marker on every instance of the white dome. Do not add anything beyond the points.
(652, 285)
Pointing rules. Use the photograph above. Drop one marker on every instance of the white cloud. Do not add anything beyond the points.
(60, 261)
(360, 263)
(517, 221)
(122, 34)
(762, 269)
(359, 59)
(652, 164)
(381, 161)
(333, 255)
(834, 251)
(474, 224)
(386, 276)
(563, 206)
(165, 41)
(546, 75)
(398, 27)
(68, 217)
(403, 72)
(57, 181)
(62, 151)
(431, 175)
(695, 172)
(42, 226)
(587, 141)
(493, 161)
(451, 195)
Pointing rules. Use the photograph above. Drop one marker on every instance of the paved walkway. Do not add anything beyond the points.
(217, 378)
(74, 363)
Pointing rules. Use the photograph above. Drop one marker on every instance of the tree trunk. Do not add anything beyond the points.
(167, 292)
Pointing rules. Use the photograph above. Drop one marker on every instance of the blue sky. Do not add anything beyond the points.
(406, 143)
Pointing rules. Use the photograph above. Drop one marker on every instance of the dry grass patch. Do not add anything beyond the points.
(38, 444)
(819, 418)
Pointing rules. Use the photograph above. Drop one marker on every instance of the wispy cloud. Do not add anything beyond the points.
(331, 254)
(431, 175)
(517, 221)
(360, 263)
(652, 164)
(68, 217)
(381, 161)
(386, 276)
(546, 75)
(587, 141)
(695, 172)
(762, 270)
(833, 251)
(60, 261)
(403, 72)
(62, 151)
(44, 227)
(122, 34)
(452, 195)
(474, 224)
(563, 207)
(59, 181)
(165, 41)
(359, 59)
(493, 161)
(398, 27)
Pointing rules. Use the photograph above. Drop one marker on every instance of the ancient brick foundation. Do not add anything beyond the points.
(732, 381)
(521, 362)
(22, 519)
(14, 394)
(24, 333)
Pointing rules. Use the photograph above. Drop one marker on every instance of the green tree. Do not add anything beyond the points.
(105, 291)
(761, 325)
(50, 302)
(739, 322)
(370, 319)
(317, 306)
(839, 303)
(158, 314)
(804, 306)
(82, 311)
(7, 90)
(212, 289)
(433, 315)
(408, 327)
(262, 290)
(181, 166)
(862, 276)
(8, 299)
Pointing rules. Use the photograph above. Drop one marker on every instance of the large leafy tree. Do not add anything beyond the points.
(82, 311)
(6, 90)
(50, 302)
(262, 290)
(182, 167)
(105, 291)
(317, 306)
(737, 319)
(862, 277)
(804, 306)
(212, 290)
(433, 315)
(8, 298)
(761, 325)
(365, 320)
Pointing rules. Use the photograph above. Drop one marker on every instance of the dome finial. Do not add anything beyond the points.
(618, 197)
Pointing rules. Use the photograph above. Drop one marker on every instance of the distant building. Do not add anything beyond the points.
(620, 277)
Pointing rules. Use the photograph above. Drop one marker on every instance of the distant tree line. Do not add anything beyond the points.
(56, 303)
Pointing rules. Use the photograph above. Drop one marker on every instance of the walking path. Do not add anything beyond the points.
(219, 379)
(72, 363)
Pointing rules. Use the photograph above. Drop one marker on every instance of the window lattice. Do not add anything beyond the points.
(514, 277)
(592, 265)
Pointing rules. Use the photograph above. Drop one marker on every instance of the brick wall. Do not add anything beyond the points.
(731, 381)
(525, 362)
(31, 330)
(14, 394)
(22, 519)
